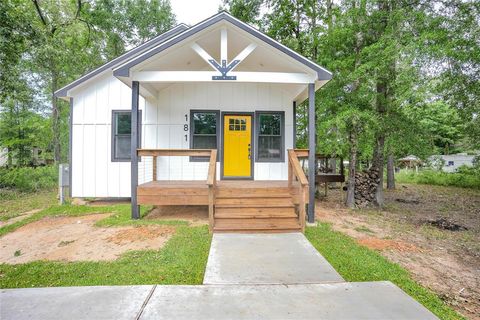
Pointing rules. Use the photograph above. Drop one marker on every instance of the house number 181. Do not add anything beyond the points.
(185, 127)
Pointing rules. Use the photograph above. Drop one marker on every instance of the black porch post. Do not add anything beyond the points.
(134, 147)
(294, 124)
(311, 153)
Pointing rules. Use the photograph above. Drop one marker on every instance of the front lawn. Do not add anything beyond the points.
(181, 261)
(357, 263)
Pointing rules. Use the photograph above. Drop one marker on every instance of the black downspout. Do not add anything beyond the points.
(294, 124)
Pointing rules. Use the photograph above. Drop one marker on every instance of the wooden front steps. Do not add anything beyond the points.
(253, 207)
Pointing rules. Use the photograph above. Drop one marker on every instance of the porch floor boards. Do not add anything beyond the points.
(240, 205)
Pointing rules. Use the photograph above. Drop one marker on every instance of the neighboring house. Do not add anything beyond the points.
(451, 162)
(220, 84)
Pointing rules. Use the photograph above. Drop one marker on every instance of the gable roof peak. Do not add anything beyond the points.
(124, 70)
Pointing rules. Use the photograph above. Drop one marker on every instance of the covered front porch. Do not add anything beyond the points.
(234, 205)
(223, 85)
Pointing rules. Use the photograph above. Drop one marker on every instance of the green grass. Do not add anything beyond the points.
(181, 261)
(357, 263)
(466, 179)
(13, 203)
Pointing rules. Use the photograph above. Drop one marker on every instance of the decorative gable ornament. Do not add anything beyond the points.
(224, 68)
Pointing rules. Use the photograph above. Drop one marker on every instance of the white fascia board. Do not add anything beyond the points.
(206, 76)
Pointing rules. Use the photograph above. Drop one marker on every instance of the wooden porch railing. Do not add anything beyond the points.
(212, 169)
(212, 185)
(295, 171)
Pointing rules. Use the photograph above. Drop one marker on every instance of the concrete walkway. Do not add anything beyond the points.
(366, 300)
(248, 276)
(282, 258)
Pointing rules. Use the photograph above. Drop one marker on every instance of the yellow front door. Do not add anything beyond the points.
(237, 149)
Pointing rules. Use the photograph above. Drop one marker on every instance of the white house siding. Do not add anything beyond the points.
(95, 175)
(164, 124)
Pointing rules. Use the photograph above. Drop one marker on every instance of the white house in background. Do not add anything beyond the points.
(220, 84)
(452, 162)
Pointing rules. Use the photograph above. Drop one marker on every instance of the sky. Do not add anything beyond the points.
(194, 11)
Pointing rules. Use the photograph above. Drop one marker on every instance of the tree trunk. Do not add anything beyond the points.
(390, 172)
(377, 165)
(350, 200)
(382, 99)
(333, 168)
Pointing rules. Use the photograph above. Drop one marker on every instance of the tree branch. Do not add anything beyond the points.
(79, 9)
(39, 11)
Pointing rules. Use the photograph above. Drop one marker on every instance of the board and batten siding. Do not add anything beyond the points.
(164, 122)
(94, 174)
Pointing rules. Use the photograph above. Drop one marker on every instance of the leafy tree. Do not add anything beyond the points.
(21, 128)
(245, 10)
(452, 54)
(440, 124)
(46, 44)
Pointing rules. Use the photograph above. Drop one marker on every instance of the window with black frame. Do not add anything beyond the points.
(270, 137)
(204, 131)
(121, 135)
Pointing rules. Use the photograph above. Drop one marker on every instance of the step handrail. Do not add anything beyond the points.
(295, 171)
(212, 185)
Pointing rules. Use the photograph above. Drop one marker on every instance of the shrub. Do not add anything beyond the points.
(464, 178)
(29, 179)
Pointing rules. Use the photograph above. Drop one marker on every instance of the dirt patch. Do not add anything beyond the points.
(447, 262)
(77, 239)
(141, 233)
(194, 215)
(386, 244)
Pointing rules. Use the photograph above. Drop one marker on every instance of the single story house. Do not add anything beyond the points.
(201, 115)
(451, 162)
